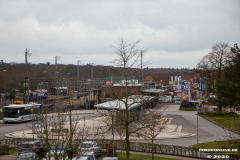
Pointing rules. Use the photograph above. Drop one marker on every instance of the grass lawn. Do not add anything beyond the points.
(13, 150)
(216, 145)
(225, 120)
(219, 145)
(138, 156)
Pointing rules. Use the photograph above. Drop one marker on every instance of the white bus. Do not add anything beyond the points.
(20, 112)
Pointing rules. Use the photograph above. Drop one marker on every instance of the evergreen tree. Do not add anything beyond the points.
(229, 86)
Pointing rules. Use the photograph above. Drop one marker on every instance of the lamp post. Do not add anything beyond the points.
(68, 83)
(4, 85)
(44, 79)
(47, 88)
(91, 70)
(38, 91)
(42, 93)
(74, 85)
(113, 113)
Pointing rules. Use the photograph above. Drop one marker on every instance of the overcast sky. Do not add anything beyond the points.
(177, 33)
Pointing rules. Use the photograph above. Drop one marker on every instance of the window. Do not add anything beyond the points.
(25, 112)
(10, 113)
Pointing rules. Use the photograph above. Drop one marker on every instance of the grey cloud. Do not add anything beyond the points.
(83, 28)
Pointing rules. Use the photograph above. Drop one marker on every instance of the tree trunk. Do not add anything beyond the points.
(152, 150)
(219, 107)
(127, 134)
(234, 112)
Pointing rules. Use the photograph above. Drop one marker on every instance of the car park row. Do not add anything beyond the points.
(34, 150)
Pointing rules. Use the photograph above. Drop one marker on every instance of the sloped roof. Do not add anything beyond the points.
(149, 78)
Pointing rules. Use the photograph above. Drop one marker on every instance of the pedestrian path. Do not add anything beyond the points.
(14, 156)
(93, 123)
(164, 155)
(9, 157)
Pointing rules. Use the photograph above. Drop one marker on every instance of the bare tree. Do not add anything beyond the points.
(63, 130)
(128, 62)
(211, 66)
(155, 123)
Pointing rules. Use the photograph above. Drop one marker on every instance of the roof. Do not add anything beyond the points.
(149, 78)
(35, 105)
(133, 102)
(154, 90)
(130, 85)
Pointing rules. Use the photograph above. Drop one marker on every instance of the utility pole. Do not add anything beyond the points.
(26, 74)
(44, 79)
(4, 86)
(91, 70)
(56, 58)
(141, 68)
(101, 73)
(79, 61)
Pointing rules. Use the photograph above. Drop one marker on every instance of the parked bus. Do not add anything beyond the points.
(18, 100)
(20, 112)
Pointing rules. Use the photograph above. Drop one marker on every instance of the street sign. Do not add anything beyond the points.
(37, 124)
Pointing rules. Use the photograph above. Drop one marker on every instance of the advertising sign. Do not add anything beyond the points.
(202, 84)
(108, 83)
(184, 86)
(195, 86)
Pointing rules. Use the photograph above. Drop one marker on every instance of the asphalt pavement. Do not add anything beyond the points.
(207, 131)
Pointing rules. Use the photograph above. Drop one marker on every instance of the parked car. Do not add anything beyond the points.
(56, 155)
(32, 146)
(90, 146)
(28, 156)
(90, 155)
(61, 147)
(192, 104)
(165, 99)
(81, 158)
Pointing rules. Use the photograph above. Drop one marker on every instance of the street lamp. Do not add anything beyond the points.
(113, 114)
(47, 87)
(44, 79)
(4, 85)
(92, 70)
(74, 85)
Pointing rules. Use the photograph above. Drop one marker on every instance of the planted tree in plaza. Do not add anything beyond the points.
(211, 67)
(125, 99)
(63, 130)
(154, 123)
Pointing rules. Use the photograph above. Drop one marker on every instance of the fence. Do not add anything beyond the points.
(134, 146)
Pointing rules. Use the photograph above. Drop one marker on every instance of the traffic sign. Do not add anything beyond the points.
(37, 124)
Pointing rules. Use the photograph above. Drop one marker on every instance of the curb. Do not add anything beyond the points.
(220, 125)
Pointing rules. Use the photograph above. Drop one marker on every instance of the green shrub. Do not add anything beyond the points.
(4, 149)
(188, 109)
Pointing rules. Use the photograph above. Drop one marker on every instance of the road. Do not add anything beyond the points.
(12, 127)
(207, 132)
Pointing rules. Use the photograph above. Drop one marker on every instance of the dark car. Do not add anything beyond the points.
(193, 104)
(32, 146)
(62, 147)
(28, 156)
